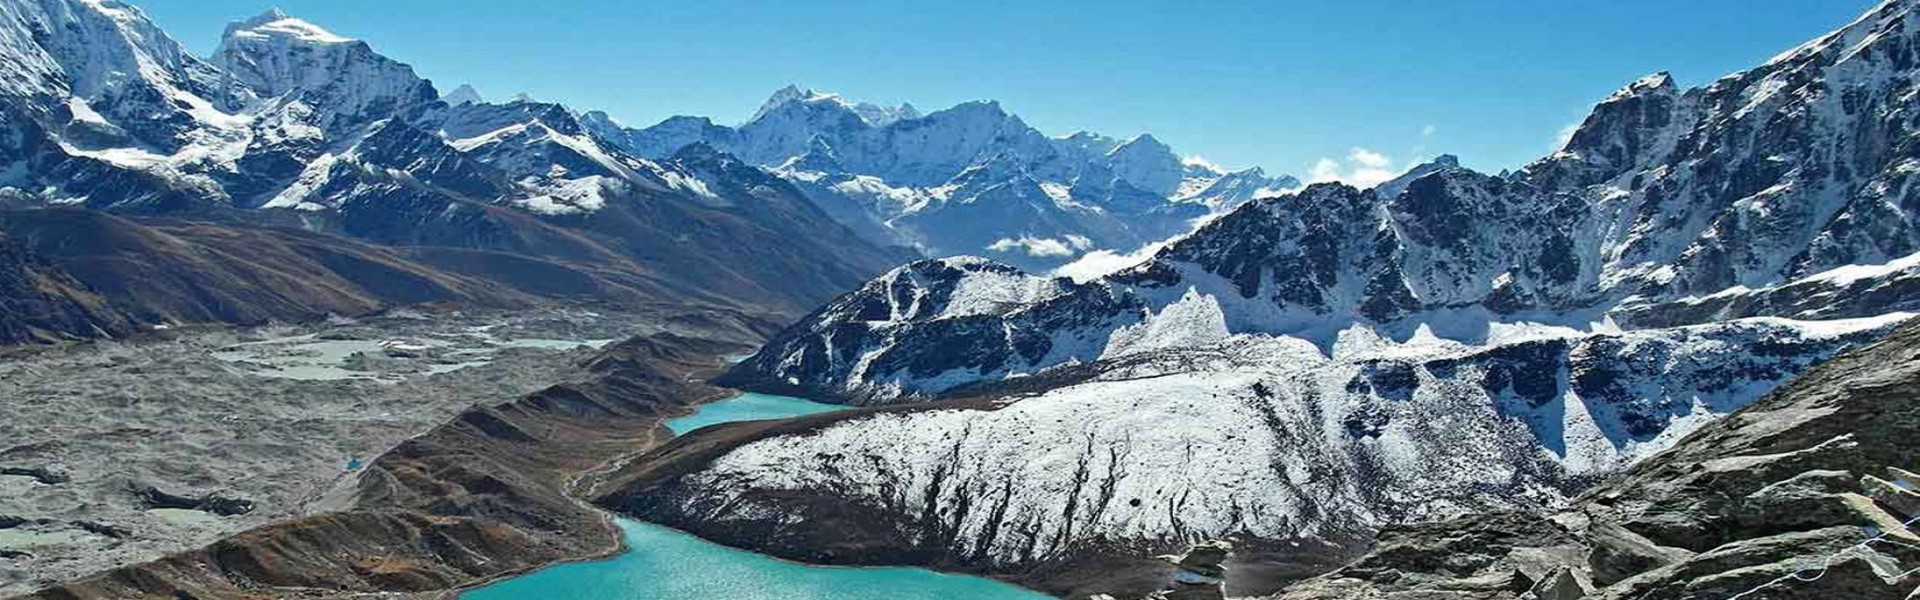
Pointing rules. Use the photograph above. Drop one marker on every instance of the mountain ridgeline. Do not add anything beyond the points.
(972, 179)
(290, 128)
(289, 125)
(1310, 367)
(1774, 183)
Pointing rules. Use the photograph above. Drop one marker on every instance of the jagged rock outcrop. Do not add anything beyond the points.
(1393, 187)
(1806, 494)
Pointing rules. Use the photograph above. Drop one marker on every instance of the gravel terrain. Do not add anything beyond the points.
(113, 453)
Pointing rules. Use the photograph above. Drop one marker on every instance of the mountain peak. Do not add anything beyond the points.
(780, 97)
(345, 81)
(270, 15)
(1872, 27)
(819, 157)
(276, 23)
(882, 116)
(870, 113)
(1143, 143)
(465, 94)
(794, 94)
(1392, 187)
(1657, 83)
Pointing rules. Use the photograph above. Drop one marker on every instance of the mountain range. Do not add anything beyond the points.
(290, 126)
(1313, 366)
(1451, 383)
(971, 179)
(289, 130)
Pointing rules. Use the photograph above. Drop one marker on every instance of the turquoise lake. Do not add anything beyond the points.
(666, 564)
(748, 407)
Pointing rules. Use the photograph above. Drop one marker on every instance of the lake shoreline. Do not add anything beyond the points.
(780, 577)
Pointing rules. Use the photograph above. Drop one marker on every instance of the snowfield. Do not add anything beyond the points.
(1265, 436)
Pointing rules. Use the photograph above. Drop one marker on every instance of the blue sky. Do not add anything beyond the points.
(1280, 84)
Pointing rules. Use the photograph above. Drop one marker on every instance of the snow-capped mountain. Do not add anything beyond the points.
(1393, 187)
(971, 179)
(1311, 366)
(286, 60)
(289, 123)
(465, 94)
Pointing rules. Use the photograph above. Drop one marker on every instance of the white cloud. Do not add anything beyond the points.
(1564, 136)
(1428, 131)
(1100, 263)
(1042, 247)
(1196, 160)
(1368, 158)
(1362, 167)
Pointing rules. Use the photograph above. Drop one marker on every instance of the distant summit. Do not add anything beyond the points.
(465, 94)
(970, 179)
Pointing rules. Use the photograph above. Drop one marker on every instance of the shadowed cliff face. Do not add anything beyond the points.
(1809, 493)
(483, 496)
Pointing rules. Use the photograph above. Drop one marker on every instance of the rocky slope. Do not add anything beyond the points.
(970, 179)
(1809, 493)
(40, 302)
(91, 274)
(158, 272)
(1309, 367)
(289, 124)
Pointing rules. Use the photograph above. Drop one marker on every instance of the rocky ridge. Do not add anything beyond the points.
(1808, 493)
